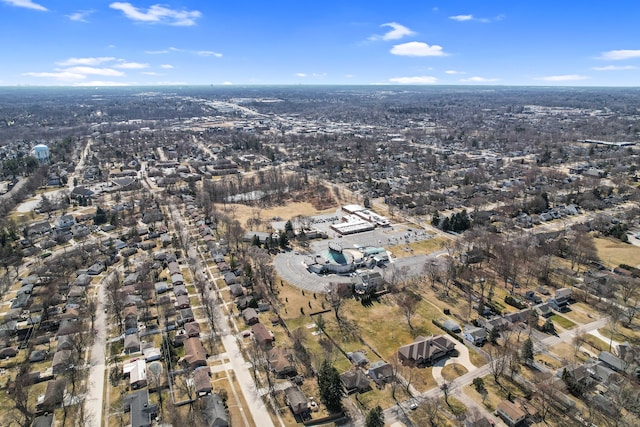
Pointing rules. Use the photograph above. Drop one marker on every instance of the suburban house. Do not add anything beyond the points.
(296, 400)
(561, 299)
(192, 329)
(53, 396)
(477, 336)
(355, 381)
(137, 373)
(250, 316)
(195, 354)
(43, 421)
(281, 362)
(262, 335)
(131, 344)
(61, 360)
(214, 412)
(510, 413)
(141, 412)
(202, 380)
(425, 351)
(612, 361)
(381, 372)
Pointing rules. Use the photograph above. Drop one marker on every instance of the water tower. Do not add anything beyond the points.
(41, 153)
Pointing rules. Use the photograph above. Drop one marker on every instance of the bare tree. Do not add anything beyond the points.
(19, 395)
(408, 302)
(498, 362)
(432, 271)
(431, 406)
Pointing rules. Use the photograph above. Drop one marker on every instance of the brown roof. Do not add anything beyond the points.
(202, 379)
(195, 354)
(280, 360)
(192, 329)
(511, 411)
(261, 334)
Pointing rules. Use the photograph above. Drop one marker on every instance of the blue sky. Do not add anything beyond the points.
(516, 42)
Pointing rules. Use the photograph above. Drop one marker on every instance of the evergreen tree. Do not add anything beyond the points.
(549, 327)
(375, 417)
(288, 228)
(493, 335)
(101, 216)
(330, 386)
(256, 240)
(435, 219)
(527, 351)
(284, 240)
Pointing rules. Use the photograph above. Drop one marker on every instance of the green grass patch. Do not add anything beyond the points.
(562, 321)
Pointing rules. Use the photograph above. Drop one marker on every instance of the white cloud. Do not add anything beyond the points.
(414, 80)
(397, 31)
(80, 16)
(563, 78)
(86, 61)
(301, 75)
(227, 83)
(156, 52)
(95, 71)
(208, 53)
(417, 49)
(150, 73)
(101, 83)
(348, 76)
(61, 75)
(618, 55)
(466, 18)
(131, 65)
(615, 68)
(462, 18)
(451, 72)
(166, 66)
(477, 79)
(158, 14)
(28, 4)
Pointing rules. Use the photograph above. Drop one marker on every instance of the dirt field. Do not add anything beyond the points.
(613, 252)
(243, 212)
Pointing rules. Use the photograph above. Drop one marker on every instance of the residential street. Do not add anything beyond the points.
(95, 388)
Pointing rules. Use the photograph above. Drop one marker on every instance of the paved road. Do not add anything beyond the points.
(95, 388)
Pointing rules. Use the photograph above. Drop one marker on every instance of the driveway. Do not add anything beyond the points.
(462, 359)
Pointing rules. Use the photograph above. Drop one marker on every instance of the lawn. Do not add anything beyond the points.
(613, 252)
(242, 212)
(582, 313)
(382, 397)
(453, 371)
(562, 321)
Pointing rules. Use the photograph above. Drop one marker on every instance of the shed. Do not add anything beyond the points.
(452, 326)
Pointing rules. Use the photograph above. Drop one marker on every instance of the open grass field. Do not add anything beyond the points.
(242, 212)
(581, 313)
(417, 248)
(613, 252)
